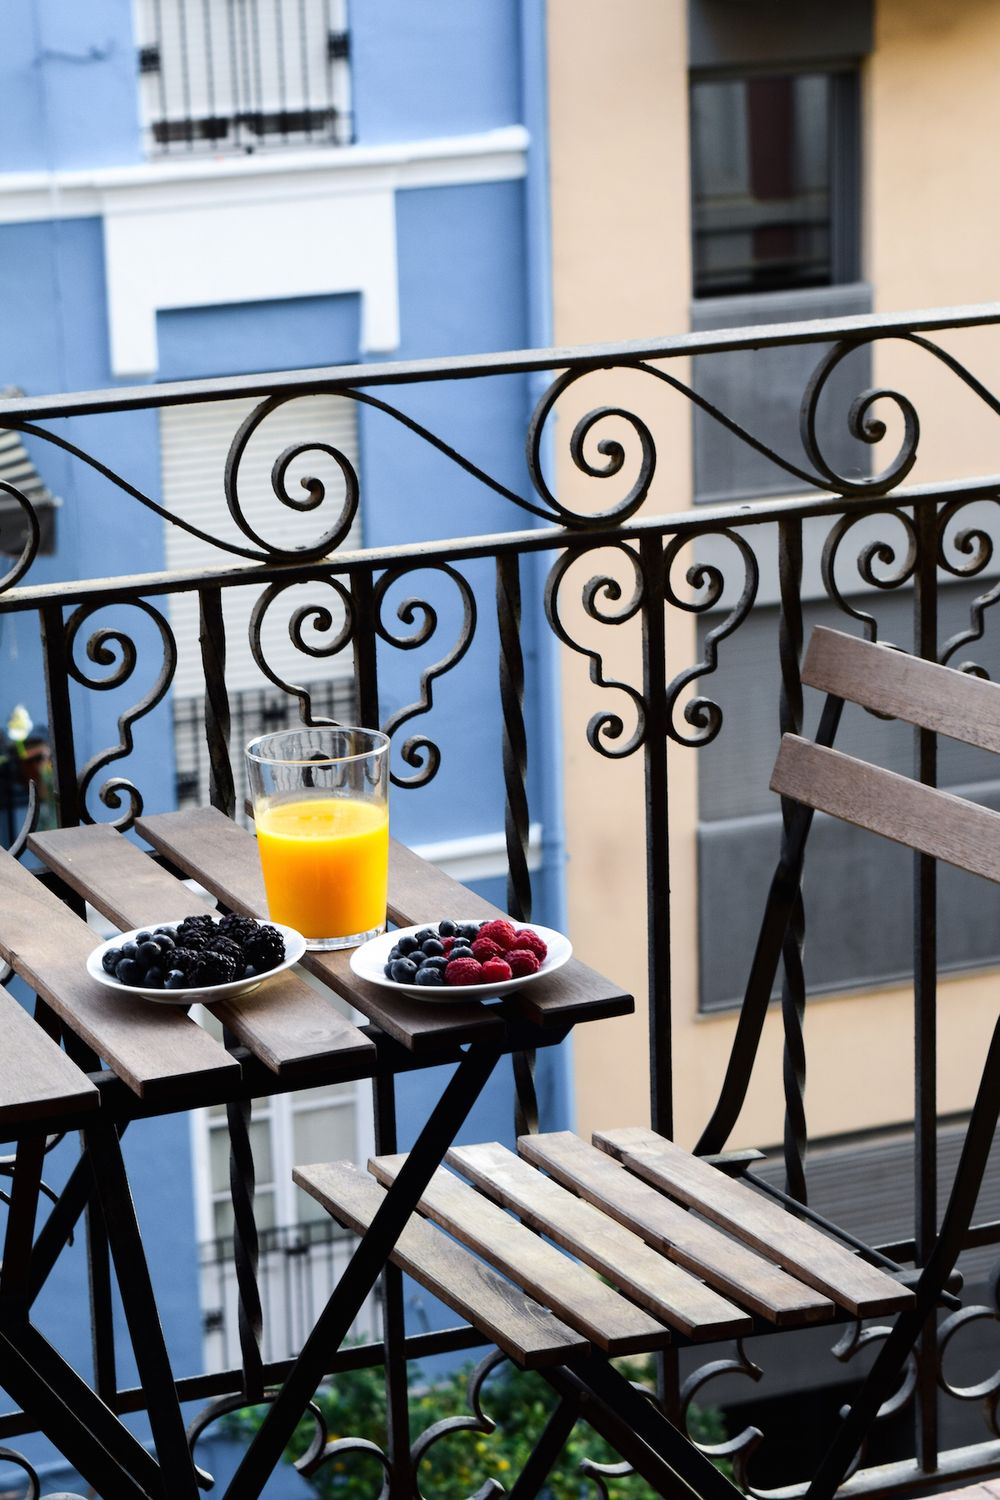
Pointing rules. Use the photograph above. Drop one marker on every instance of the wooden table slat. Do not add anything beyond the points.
(526, 1332)
(726, 1264)
(287, 1023)
(666, 1290)
(794, 1244)
(149, 1046)
(573, 1292)
(42, 1082)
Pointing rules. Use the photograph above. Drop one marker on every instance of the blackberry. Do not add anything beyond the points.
(182, 961)
(239, 929)
(210, 967)
(194, 932)
(229, 947)
(264, 949)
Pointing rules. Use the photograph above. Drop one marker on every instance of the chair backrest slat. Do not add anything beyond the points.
(959, 832)
(904, 687)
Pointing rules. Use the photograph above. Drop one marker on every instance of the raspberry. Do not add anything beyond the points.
(484, 948)
(448, 943)
(500, 932)
(495, 971)
(464, 971)
(522, 961)
(526, 938)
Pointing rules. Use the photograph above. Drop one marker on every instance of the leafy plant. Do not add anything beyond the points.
(520, 1403)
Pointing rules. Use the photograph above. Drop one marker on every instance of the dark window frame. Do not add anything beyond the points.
(844, 162)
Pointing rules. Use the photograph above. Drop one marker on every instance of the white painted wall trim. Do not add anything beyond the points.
(229, 230)
(490, 156)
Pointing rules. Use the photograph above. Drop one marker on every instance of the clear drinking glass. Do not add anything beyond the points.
(321, 805)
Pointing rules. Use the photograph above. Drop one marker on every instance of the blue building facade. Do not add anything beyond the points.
(146, 236)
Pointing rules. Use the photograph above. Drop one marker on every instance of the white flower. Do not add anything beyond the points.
(19, 725)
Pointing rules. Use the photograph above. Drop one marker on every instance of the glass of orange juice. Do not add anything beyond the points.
(321, 805)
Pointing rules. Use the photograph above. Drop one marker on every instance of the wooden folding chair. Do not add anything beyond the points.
(620, 1205)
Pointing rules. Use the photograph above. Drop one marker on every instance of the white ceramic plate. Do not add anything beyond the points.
(295, 946)
(369, 961)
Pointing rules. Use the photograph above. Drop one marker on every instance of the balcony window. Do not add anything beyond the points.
(774, 181)
(242, 75)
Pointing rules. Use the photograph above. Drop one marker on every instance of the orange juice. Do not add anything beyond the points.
(325, 862)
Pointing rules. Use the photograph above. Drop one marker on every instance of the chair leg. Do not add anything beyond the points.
(665, 1457)
(957, 1218)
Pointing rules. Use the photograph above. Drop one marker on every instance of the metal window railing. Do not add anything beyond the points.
(243, 75)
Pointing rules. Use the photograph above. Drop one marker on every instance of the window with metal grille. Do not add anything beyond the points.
(241, 75)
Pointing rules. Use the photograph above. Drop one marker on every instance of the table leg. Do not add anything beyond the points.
(165, 1419)
(15, 1269)
(366, 1264)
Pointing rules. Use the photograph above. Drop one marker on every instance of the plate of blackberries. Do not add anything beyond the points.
(454, 960)
(202, 958)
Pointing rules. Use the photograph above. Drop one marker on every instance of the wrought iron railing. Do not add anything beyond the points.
(593, 574)
(242, 75)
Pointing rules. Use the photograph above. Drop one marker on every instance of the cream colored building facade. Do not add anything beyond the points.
(621, 223)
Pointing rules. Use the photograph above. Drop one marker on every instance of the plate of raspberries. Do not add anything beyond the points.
(200, 959)
(454, 960)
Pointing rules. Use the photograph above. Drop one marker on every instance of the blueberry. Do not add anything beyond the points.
(469, 930)
(143, 937)
(164, 932)
(164, 942)
(461, 950)
(447, 928)
(130, 950)
(387, 969)
(149, 952)
(427, 975)
(175, 980)
(403, 970)
(423, 935)
(249, 972)
(128, 972)
(153, 979)
(432, 947)
(407, 945)
(439, 962)
(112, 958)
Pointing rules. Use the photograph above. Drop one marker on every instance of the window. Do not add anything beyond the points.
(242, 74)
(773, 181)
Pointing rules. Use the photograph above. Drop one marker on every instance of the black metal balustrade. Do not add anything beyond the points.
(225, 75)
(613, 571)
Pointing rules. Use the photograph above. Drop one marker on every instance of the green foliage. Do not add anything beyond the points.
(517, 1400)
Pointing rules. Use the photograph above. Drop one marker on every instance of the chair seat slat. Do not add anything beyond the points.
(905, 687)
(724, 1263)
(575, 1294)
(515, 1323)
(803, 1250)
(601, 1242)
(937, 823)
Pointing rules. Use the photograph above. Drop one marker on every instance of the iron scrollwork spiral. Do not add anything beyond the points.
(314, 489)
(418, 750)
(29, 550)
(477, 1421)
(602, 591)
(975, 548)
(308, 628)
(704, 714)
(986, 1391)
(611, 450)
(111, 647)
(879, 553)
(34, 1484)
